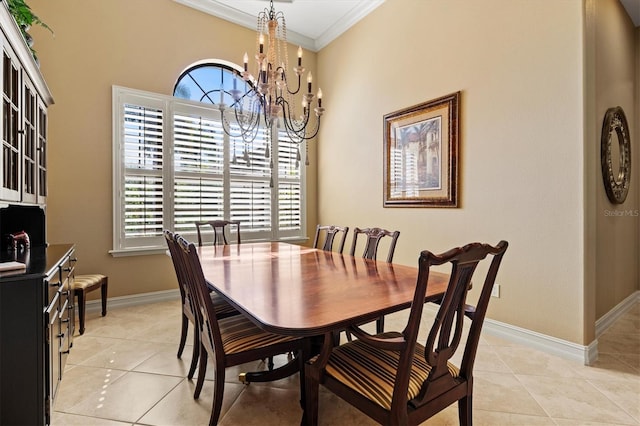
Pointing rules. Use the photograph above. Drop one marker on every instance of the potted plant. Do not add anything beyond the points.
(25, 18)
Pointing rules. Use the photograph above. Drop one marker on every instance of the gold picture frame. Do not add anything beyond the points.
(421, 154)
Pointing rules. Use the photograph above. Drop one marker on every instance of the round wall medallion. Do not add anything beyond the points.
(615, 155)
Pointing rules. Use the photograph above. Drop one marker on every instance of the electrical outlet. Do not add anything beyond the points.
(495, 291)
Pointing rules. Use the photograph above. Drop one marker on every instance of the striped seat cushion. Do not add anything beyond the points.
(240, 334)
(85, 281)
(221, 306)
(371, 371)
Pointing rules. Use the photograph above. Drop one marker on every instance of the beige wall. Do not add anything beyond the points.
(519, 68)
(529, 109)
(617, 251)
(142, 44)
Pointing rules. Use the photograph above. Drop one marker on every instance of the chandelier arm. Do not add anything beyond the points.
(298, 132)
(288, 119)
(285, 79)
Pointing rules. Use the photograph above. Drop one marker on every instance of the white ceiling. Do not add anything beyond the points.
(633, 9)
(311, 24)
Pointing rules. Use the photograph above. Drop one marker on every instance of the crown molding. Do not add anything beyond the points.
(243, 19)
(346, 22)
(249, 21)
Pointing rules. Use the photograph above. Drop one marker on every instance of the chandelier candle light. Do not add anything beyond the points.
(268, 97)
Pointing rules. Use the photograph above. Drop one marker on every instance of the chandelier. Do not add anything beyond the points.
(268, 97)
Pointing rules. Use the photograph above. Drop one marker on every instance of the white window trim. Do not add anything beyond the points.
(157, 245)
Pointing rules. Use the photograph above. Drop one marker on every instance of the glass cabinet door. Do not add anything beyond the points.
(10, 189)
(30, 137)
(42, 152)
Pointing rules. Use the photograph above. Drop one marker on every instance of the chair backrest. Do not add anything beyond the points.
(331, 231)
(446, 332)
(219, 233)
(189, 263)
(374, 235)
(188, 298)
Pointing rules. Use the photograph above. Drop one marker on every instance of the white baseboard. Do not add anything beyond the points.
(133, 300)
(605, 321)
(543, 342)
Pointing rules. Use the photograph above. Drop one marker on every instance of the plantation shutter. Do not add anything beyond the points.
(199, 170)
(289, 184)
(249, 183)
(143, 205)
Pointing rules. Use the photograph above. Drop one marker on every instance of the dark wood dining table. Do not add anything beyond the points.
(294, 290)
(299, 291)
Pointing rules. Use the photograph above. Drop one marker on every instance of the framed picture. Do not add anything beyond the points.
(421, 154)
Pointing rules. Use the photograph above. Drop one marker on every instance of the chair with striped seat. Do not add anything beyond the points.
(233, 340)
(82, 284)
(223, 309)
(396, 380)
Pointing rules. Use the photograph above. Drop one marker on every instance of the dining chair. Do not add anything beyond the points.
(234, 340)
(373, 238)
(223, 309)
(330, 232)
(394, 379)
(219, 230)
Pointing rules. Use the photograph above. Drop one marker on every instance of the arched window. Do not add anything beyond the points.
(209, 82)
(175, 165)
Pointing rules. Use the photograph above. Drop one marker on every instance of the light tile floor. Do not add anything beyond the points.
(124, 370)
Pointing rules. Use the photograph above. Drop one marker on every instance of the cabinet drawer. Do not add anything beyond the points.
(53, 282)
(68, 266)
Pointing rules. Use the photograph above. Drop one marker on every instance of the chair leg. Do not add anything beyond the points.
(103, 291)
(303, 356)
(195, 353)
(218, 394)
(183, 334)
(380, 325)
(81, 308)
(464, 411)
(270, 363)
(202, 369)
(311, 394)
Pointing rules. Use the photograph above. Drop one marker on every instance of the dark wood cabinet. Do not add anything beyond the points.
(36, 332)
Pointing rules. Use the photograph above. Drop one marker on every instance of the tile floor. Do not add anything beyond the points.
(124, 370)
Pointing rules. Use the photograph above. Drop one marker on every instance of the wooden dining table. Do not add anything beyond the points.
(305, 292)
(294, 290)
